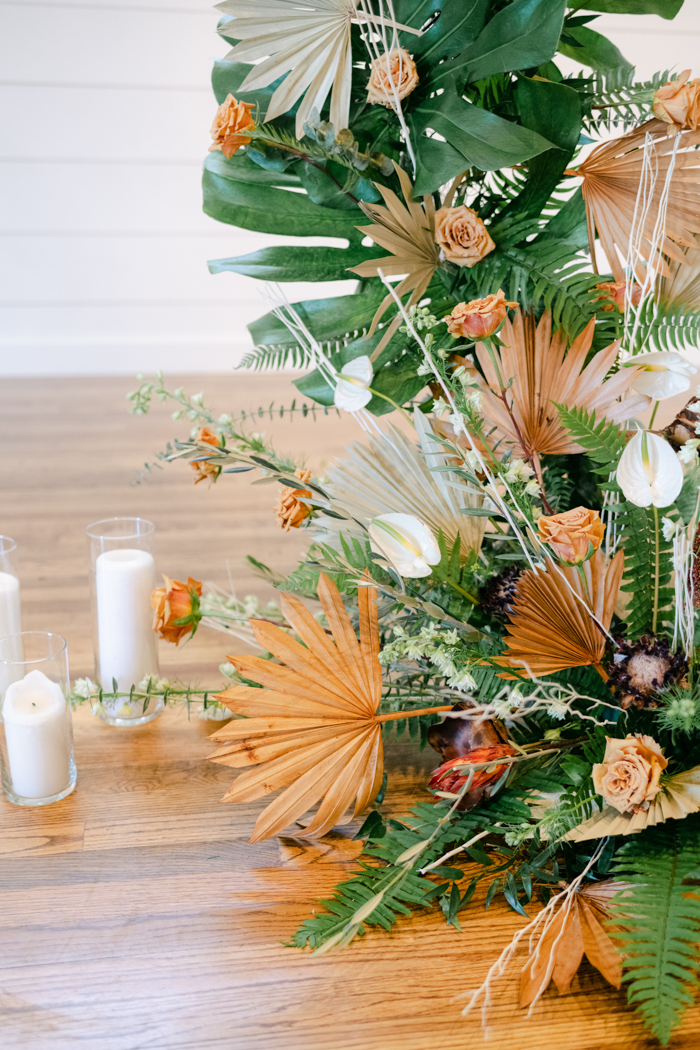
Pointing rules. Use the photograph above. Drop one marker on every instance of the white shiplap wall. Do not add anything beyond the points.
(105, 107)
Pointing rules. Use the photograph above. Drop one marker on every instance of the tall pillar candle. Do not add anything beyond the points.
(124, 581)
(37, 736)
(9, 605)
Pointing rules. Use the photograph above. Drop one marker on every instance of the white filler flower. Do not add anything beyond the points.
(406, 542)
(649, 472)
(665, 374)
(354, 378)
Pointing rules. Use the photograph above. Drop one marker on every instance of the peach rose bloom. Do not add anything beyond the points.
(289, 509)
(176, 601)
(392, 75)
(462, 235)
(572, 533)
(480, 317)
(203, 469)
(678, 104)
(232, 117)
(628, 777)
(615, 290)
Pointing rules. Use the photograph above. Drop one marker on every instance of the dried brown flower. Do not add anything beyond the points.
(231, 120)
(480, 317)
(615, 291)
(682, 428)
(453, 775)
(203, 469)
(462, 235)
(640, 670)
(289, 509)
(572, 534)
(677, 103)
(176, 609)
(498, 593)
(393, 75)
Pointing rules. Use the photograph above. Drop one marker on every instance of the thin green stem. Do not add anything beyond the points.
(653, 415)
(472, 599)
(376, 393)
(656, 570)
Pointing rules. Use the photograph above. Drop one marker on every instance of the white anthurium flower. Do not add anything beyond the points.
(649, 472)
(354, 378)
(665, 374)
(406, 542)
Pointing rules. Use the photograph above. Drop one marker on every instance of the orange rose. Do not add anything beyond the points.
(572, 534)
(628, 777)
(615, 290)
(452, 775)
(202, 468)
(232, 117)
(480, 317)
(393, 76)
(677, 103)
(462, 235)
(289, 509)
(176, 609)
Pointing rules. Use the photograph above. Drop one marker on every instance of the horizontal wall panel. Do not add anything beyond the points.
(139, 269)
(197, 7)
(104, 124)
(118, 46)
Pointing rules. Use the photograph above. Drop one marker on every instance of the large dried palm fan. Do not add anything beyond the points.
(612, 174)
(545, 370)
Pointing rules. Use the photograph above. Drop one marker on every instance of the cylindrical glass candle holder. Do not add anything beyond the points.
(9, 589)
(122, 579)
(36, 729)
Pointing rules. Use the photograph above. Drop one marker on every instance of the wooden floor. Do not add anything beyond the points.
(134, 914)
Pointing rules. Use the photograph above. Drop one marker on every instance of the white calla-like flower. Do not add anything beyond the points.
(354, 378)
(406, 542)
(649, 472)
(665, 374)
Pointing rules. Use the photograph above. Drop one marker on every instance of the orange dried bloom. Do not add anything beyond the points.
(615, 291)
(480, 317)
(232, 118)
(202, 469)
(677, 103)
(452, 775)
(176, 609)
(289, 509)
(572, 533)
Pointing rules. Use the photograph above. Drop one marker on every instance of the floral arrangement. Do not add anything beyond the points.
(508, 572)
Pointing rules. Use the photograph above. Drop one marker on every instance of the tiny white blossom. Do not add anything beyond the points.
(688, 451)
(424, 369)
(85, 688)
(440, 406)
(464, 681)
(455, 421)
(558, 709)
(473, 460)
(532, 488)
(670, 528)
(475, 400)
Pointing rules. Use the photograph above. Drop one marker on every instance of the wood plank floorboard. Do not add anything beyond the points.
(135, 915)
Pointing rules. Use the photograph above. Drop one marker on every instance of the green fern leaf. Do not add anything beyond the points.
(662, 925)
(604, 442)
(665, 326)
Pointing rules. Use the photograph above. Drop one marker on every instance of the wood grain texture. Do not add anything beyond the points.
(134, 914)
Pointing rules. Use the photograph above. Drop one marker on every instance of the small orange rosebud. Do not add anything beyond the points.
(176, 609)
(232, 118)
(202, 469)
(615, 291)
(452, 775)
(677, 103)
(572, 534)
(289, 509)
(480, 317)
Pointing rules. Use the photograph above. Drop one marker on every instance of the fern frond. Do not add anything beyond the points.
(662, 924)
(618, 101)
(648, 569)
(665, 326)
(279, 356)
(603, 441)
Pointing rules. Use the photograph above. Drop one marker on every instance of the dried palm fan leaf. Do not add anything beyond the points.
(408, 232)
(575, 930)
(556, 622)
(683, 284)
(545, 370)
(310, 40)
(679, 796)
(391, 474)
(611, 179)
(312, 729)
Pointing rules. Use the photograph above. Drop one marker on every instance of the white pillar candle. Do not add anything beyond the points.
(125, 580)
(9, 605)
(37, 736)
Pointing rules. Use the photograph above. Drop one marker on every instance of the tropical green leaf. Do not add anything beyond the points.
(295, 263)
(457, 27)
(592, 49)
(663, 8)
(661, 922)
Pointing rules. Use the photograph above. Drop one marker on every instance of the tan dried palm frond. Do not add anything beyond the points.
(545, 370)
(679, 796)
(576, 929)
(611, 178)
(310, 41)
(391, 474)
(408, 232)
(552, 623)
(683, 284)
(313, 729)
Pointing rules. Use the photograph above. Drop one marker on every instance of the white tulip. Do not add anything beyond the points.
(354, 378)
(406, 542)
(649, 472)
(665, 374)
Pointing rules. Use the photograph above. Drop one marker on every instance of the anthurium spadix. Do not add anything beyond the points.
(649, 472)
(354, 379)
(406, 542)
(665, 374)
